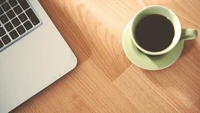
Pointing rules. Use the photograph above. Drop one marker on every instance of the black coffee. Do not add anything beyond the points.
(154, 33)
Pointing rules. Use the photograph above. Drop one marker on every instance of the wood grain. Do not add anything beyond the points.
(105, 81)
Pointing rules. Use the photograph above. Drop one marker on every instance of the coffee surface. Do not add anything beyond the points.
(154, 33)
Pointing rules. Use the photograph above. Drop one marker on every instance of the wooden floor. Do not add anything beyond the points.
(105, 81)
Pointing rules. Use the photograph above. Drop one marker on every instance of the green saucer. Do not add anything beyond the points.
(149, 62)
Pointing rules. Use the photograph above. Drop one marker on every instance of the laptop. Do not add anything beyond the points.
(33, 54)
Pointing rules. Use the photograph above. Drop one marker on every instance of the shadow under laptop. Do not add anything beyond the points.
(70, 28)
(88, 36)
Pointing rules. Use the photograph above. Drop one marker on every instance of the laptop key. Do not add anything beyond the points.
(1, 44)
(16, 22)
(1, 11)
(32, 16)
(28, 25)
(22, 17)
(6, 6)
(21, 30)
(4, 19)
(13, 2)
(10, 14)
(9, 26)
(6, 39)
(24, 4)
(18, 10)
(2, 1)
(2, 31)
(13, 34)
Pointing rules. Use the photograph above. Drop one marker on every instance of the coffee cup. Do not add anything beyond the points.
(155, 30)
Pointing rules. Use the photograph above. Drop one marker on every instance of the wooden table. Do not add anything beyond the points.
(105, 81)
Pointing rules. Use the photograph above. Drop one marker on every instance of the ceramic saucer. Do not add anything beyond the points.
(149, 62)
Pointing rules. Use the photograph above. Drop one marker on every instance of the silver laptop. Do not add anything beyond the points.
(33, 54)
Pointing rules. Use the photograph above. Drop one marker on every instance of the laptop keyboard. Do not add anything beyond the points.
(17, 18)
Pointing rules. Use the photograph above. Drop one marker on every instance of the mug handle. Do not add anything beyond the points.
(189, 34)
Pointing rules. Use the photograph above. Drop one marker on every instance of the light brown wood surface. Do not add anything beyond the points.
(105, 81)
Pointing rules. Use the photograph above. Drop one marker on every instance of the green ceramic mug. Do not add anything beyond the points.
(179, 33)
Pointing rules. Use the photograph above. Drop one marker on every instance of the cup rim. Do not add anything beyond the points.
(178, 35)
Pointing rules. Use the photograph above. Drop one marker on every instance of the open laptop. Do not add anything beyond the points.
(33, 54)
